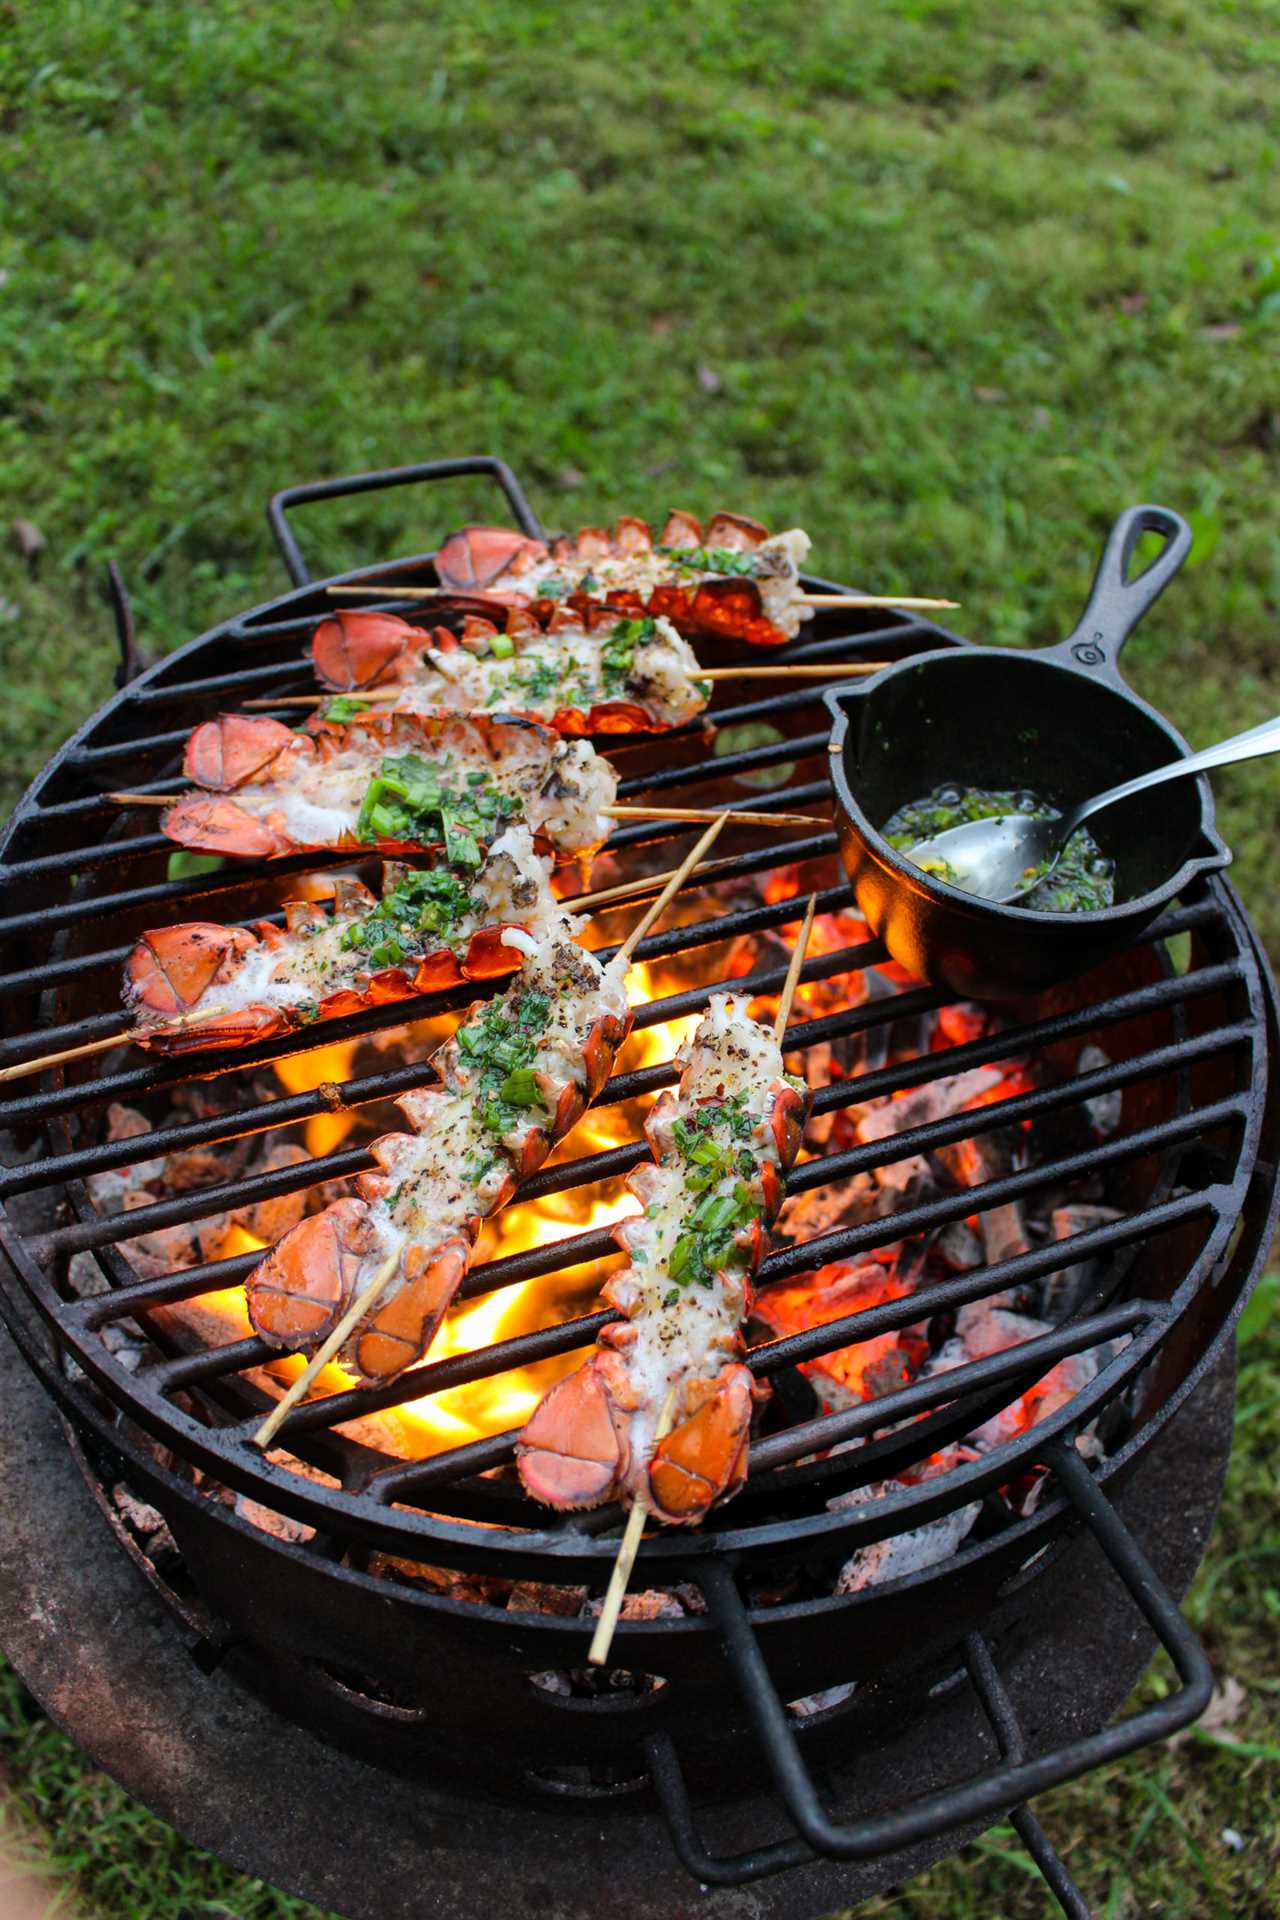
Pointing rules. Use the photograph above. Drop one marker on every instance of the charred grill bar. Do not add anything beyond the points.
(1189, 1170)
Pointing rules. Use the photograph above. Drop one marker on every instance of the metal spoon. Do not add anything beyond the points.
(1000, 858)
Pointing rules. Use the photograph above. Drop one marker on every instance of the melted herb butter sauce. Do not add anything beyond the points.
(1083, 881)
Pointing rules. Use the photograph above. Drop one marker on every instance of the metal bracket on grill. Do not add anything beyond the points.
(986, 1795)
(131, 661)
(280, 503)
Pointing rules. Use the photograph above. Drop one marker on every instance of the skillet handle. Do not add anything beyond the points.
(1116, 603)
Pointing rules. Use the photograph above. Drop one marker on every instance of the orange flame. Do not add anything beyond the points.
(428, 1424)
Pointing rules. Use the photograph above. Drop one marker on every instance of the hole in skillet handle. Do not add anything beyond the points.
(1117, 602)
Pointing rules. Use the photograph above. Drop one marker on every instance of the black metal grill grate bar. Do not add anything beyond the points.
(1008, 1044)
(736, 867)
(697, 935)
(866, 1324)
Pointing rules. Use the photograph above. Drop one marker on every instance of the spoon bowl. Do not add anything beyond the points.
(1004, 856)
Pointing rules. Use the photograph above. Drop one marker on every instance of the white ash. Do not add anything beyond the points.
(845, 1203)
(911, 1552)
(1064, 1289)
(960, 1247)
(144, 1520)
(984, 1329)
(936, 1101)
(810, 1703)
(1105, 1109)
(281, 1526)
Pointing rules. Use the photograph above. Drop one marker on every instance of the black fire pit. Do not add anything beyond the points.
(296, 1573)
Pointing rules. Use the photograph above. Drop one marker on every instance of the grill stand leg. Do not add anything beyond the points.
(1013, 1781)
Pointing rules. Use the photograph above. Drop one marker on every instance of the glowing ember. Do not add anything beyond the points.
(863, 1372)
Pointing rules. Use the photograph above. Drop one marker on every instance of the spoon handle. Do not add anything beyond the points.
(1243, 746)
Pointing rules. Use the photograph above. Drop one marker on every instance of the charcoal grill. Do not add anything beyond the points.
(438, 1689)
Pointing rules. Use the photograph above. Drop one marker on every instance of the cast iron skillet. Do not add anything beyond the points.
(1060, 721)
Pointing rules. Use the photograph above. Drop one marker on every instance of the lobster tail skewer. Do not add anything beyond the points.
(722, 1144)
(229, 986)
(511, 1082)
(730, 578)
(584, 668)
(397, 782)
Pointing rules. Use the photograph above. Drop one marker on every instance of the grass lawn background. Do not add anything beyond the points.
(949, 284)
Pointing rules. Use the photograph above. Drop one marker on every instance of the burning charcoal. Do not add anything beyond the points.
(1067, 1221)
(845, 1203)
(205, 1166)
(534, 1596)
(960, 1247)
(852, 1374)
(279, 1525)
(974, 1162)
(1063, 1290)
(166, 1250)
(910, 1552)
(143, 1519)
(270, 1220)
(552, 1682)
(124, 1347)
(983, 1329)
(810, 1703)
(935, 1101)
(817, 1071)
(649, 1604)
(1105, 1109)
(108, 1190)
(214, 1237)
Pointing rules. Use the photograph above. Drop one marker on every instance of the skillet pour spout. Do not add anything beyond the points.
(1058, 720)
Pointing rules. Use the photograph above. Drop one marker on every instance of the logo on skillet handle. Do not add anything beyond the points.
(1087, 654)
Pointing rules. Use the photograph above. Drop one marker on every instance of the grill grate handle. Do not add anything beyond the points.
(984, 1795)
(487, 463)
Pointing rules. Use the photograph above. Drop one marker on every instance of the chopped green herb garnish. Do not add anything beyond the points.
(500, 1045)
(710, 559)
(408, 800)
(420, 913)
(344, 708)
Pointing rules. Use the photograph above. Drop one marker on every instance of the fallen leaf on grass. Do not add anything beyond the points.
(29, 540)
(1224, 1709)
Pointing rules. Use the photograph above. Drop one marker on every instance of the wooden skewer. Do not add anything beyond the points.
(323, 1354)
(793, 971)
(873, 600)
(800, 671)
(602, 1638)
(743, 819)
(737, 814)
(676, 881)
(23, 1068)
(627, 889)
(389, 589)
(325, 697)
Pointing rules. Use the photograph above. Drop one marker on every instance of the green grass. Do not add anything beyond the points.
(949, 284)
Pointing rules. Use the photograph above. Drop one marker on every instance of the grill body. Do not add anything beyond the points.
(427, 1684)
